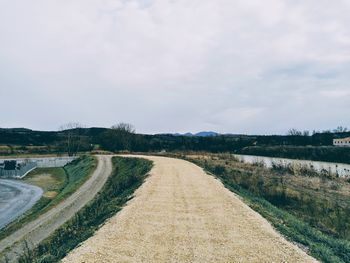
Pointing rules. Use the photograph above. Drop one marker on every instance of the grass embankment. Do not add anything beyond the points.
(128, 174)
(57, 183)
(313, 212)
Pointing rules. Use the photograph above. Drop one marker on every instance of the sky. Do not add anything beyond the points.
(231, 66)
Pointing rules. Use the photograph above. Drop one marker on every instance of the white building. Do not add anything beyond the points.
(342, 142)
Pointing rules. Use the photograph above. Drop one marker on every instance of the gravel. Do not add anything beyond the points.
(181, 214)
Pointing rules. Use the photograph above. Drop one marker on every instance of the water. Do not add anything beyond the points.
(343, 170)
(16, 198)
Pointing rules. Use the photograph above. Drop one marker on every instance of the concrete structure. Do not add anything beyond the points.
(21, 170)
(23, 166)
(342, 142)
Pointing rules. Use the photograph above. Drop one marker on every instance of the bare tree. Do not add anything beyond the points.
(125, 132)
(72, 133)
(306, 133)
(340, 129)
(124, 127)
(294, 132)
(120, 137)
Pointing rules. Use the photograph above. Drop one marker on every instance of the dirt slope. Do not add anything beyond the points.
(181, 214)
(41, 228)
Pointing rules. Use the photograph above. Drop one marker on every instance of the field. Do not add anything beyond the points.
(7, 151)
(57, 183)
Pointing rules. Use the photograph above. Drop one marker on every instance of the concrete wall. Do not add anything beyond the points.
(19, 173)
(28, 164)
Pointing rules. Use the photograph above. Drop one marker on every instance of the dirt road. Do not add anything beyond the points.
(46, 224)
(181, 214)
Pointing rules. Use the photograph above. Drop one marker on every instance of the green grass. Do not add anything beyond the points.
(128, 174)
(324, 247)
(58, 184)
(77, 172)
(48, 179)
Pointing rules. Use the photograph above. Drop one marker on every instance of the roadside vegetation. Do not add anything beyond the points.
(311, 210)
(57, 183)
(128, 174)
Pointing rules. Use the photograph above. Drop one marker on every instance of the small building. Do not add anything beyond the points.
(342, 142)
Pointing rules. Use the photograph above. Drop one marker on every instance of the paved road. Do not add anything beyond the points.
(46, 224)
(15, 199)
(181, 214)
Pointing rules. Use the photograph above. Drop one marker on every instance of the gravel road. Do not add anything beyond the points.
(181, 214)
(46, 224)
(15, 199)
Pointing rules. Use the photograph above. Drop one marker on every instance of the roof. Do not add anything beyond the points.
(344, 139)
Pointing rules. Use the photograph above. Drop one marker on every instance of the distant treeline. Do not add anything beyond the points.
(317, 146)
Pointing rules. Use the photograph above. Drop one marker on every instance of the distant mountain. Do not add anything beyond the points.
(198, 134)
(206, 134)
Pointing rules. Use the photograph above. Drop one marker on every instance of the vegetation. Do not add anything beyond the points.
(119, 137)
(312, 211)
(128, 174)
(51, 180)
(58, 184)
(72, 138)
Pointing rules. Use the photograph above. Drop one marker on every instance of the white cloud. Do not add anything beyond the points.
(340, 93)
(175, 65)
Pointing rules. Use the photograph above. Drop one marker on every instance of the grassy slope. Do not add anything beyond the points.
(51, 180)
(128, 174)
(58, 184)
(320, 245)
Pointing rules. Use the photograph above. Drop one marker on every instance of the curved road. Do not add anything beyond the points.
(46, 224)
(181, 214)
(15, 199)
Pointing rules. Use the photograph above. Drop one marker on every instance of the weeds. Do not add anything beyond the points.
(315, 218)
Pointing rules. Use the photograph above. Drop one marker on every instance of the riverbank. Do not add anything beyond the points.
(334, 154)
(312, 211)
(335, 168)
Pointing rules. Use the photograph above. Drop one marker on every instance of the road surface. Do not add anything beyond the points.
(46, 224)
(15, 199)
(181, 214)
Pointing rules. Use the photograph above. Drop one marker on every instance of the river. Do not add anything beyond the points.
(15, 199)
(343, 170)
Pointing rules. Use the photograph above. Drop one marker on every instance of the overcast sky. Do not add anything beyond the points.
(233, 66)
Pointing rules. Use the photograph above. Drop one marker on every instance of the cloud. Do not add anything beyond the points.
(336, 94)
(175, 65)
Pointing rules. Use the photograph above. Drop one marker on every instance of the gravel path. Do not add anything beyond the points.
(15, 199)
(181, 214)
(46, 224)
